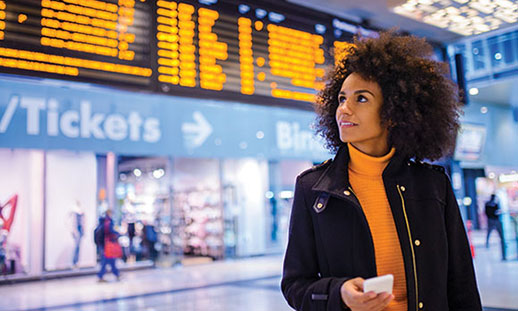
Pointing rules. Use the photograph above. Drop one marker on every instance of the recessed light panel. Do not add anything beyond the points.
(465, 17)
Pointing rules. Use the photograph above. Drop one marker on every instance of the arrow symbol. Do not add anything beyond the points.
(196, 133)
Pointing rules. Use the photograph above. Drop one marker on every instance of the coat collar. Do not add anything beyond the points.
(336, 176)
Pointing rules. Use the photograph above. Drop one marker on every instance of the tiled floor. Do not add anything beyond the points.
(251, 285)
(218, 298)
(497, 279)
(145, 288)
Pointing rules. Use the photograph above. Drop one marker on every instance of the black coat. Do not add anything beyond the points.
(330, 240)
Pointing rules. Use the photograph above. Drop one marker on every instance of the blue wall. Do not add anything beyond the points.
(501, 145)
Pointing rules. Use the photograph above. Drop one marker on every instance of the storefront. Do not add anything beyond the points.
(486, 164)
(22, 211)
(186, 179)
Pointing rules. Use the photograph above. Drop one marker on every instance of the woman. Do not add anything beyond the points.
(376, 209)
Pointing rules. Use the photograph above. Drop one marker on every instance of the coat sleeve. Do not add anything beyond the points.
(463, 293)
(301, 284)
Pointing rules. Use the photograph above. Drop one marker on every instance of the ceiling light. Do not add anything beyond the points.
(465, 17)
(473, 91)
(483, 109)
(508, 178)
(498, 56)
(286, 194)
(158, 173)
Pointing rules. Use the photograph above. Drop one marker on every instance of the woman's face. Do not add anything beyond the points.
(358, 116)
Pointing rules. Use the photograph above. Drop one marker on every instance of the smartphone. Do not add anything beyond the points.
(379, 284)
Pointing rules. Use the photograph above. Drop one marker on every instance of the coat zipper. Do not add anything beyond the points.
(411, 246)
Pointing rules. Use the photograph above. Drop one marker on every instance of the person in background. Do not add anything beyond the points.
(376, 208)
(493, 223)
(108, 233)
(149, 238)
(130, 220)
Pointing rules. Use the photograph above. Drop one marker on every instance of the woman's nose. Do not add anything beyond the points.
(345, 107)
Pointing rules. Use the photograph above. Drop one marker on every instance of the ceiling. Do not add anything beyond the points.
(378, 13)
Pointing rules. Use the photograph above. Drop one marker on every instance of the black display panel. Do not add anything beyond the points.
(257, 51)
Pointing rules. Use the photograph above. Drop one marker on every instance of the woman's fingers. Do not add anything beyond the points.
(379, 302)
(354, 297)
(352, 291)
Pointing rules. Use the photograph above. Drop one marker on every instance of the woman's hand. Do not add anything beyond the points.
(354, 297)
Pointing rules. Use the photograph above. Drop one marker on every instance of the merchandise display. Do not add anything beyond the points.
(198, 209)
(203, 222)
(7, 256)
(21, 225)
(70, 204)
(143, 193)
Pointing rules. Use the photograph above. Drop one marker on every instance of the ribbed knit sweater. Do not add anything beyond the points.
(365, 178)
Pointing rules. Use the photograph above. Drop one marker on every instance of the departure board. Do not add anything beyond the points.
(257, 51)
(96, 41)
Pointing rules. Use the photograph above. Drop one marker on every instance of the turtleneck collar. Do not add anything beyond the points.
(364, 164)
(335, 178)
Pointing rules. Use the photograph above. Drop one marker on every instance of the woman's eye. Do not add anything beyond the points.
(341, 99)
(362, 99)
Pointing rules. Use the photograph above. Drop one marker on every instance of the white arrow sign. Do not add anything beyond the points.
(196, 133)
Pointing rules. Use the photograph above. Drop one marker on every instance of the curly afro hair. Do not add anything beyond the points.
(420, 103)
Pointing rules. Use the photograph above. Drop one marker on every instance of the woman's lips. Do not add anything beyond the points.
(346, 124)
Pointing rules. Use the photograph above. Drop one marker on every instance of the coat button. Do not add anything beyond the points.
(421, 305)
(403, 188)
(417, 242)
(347, 192)
(319, 205)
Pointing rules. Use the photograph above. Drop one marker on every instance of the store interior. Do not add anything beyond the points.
(168, 210)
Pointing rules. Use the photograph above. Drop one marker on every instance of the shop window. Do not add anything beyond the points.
(197, 204)
(245, 184)
(21, 201)
(70, 210)
(144, 210)
(282, 186)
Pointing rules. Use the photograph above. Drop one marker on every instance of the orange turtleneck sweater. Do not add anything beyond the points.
(365, 178)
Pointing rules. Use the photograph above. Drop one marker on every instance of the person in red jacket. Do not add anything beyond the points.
(109, 234)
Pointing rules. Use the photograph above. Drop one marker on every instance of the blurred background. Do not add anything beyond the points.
(190, 121)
